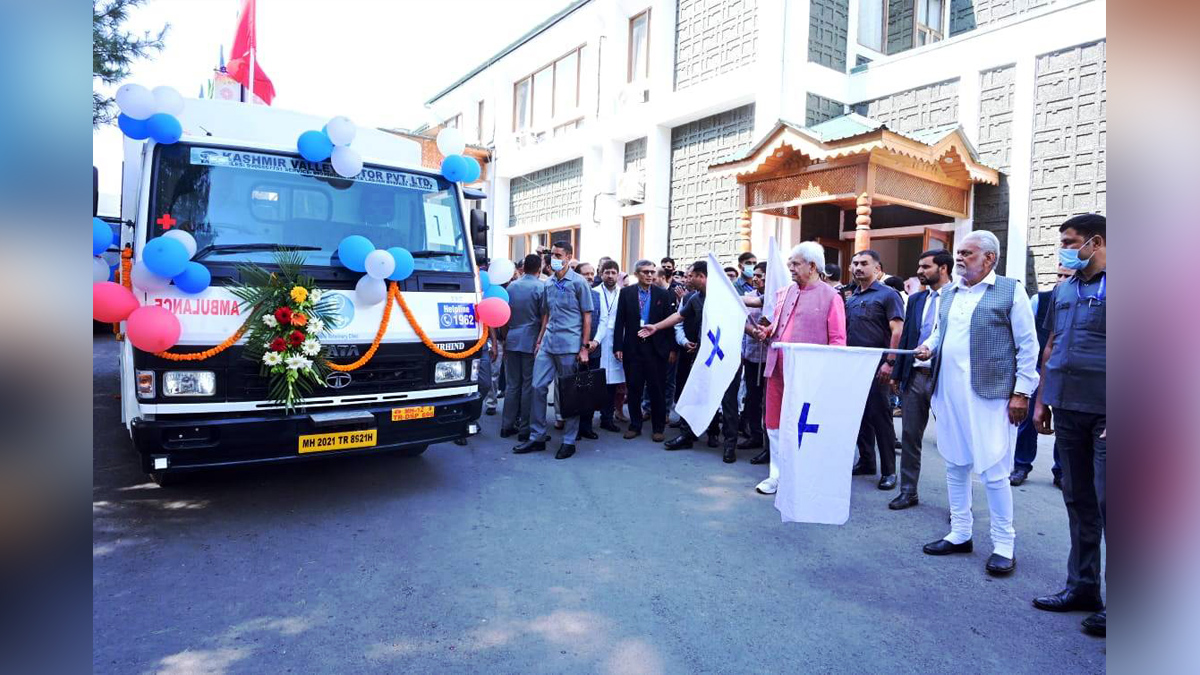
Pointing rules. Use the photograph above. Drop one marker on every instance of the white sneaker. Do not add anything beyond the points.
(768, 486)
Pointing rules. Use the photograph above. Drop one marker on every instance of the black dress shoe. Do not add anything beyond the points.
(1070, 600)
(590, 435)
(529, 446)
(609, 426)
(564, 451)
(730, 456)
(713, 441)
(887, 482)
(903, 501)
(750, 444)
(860, 470)
(943, 547)
(1095, 624)
(505, 433)
(763, 457)
(680, 442)
(999, 566)
(1018, 477)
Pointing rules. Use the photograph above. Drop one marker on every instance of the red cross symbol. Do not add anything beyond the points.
(166, 221)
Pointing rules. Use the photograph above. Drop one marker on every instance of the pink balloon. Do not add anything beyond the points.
(111, 302)
(493, 312)
(153, 329)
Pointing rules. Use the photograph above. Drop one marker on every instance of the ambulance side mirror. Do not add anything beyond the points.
(479, 229)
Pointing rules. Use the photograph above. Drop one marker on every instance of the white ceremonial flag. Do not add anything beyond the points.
(824, 392)
(719, 354)
(777, 278)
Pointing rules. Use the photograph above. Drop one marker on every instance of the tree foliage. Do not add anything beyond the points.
(114, 50)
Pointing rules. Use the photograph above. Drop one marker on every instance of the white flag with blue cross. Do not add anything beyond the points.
(824, 392)
(719, 354)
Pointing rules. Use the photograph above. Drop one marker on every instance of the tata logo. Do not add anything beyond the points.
(342, 350)
(337, 380)
(343, 311)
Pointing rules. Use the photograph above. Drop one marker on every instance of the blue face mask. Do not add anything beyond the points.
(1069, 257)
(748, 270)
(556, 264)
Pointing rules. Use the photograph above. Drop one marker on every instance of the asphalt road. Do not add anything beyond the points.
(623, 559)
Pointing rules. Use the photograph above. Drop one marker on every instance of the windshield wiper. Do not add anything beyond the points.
(435, 254)
(246, 248)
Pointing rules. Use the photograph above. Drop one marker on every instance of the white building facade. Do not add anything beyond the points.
(604, 119)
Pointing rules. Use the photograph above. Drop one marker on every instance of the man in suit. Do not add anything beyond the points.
(520, 335)
(912, 377)
(645, 360)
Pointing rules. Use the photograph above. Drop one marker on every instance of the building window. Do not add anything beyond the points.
(479, 123)
(453, 123)
(872, 23)
(522, 245)
(929, 21)
(631, 245)
(639, 47)
(551, 93)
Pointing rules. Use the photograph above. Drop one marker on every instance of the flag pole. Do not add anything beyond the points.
(253, 46)
(252, 78)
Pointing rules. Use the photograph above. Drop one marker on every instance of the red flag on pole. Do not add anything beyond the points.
(243, 57)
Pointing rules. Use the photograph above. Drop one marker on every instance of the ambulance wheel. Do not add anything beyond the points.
(414, 451)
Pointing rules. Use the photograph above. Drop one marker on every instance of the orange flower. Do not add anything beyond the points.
(299, 319)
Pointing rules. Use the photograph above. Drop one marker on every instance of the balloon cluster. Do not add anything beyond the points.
(332, 143)
(150, 114)
(379, 265)
(102, 238)
(493, 310)
(456, 167)
(168, 259)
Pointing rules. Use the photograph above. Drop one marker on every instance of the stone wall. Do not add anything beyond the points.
(635, 154)
(828, 21)
(713, 37)
(929, 108)
(549, 195)
(996, 89)
(968, 15)
(820, 109)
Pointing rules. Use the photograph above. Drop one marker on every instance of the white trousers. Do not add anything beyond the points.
(773, 445)
(1000, 504)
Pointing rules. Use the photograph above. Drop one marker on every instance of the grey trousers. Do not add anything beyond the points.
(494, 392)
(546, 369)
(914, 418)
(518, 390)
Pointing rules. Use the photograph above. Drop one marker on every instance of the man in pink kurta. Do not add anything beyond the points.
(808, 311)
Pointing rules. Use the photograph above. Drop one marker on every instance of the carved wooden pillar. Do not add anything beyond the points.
(862, 223)
(743, 231)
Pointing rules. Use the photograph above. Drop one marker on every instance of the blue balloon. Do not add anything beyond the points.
(353, 252)
(165, 256)
(454, 168)
(164, 128)
(472, 168)
(496, 292)
(102, 236)
(135, 129)
(194, 278)
(404, 263)
(314, 146)
(484, 282)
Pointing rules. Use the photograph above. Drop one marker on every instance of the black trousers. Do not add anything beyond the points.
(586, 417)
(1082, 454)
(756, 390)
(644, 370)
(728, 416)
(877, 429)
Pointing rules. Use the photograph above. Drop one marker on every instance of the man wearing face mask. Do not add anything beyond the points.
(566, 320)
(746, 263)
(1074, 365)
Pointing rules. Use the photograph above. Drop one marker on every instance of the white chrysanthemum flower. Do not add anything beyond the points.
(315, 296)
(272, 358)
(315, 326)
(297, 362)
(310, 347)
(270, 321)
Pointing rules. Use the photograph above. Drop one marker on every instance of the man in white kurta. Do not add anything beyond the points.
(609, 289)
(977, 412)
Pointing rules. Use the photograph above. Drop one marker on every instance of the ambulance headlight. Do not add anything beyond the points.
(189, 383)
(475, 370)
(448, 371)
(145, 383)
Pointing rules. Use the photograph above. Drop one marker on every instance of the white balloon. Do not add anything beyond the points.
(185, 238)
(500, 271)
(380, 264)
(346, 161)
(135, 101)
(146, 280)
(341, 130)
(450, 142)
(370, 291)
(100, 270)
(167, 100)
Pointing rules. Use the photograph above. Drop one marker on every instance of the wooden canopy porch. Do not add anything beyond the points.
(853, 162)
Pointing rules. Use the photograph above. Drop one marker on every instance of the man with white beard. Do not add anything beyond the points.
(984, 350)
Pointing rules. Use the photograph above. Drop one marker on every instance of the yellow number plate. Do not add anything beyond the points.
(416, 412)
(340, 440)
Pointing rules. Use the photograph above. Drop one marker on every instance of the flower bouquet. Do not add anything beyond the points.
(286, 315)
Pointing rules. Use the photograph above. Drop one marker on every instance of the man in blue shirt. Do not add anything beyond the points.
(1072, 404)
(746, 262)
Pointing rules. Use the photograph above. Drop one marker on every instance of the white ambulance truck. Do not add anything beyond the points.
(236, 182)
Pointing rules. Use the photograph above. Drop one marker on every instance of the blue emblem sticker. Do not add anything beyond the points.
(456, 315)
